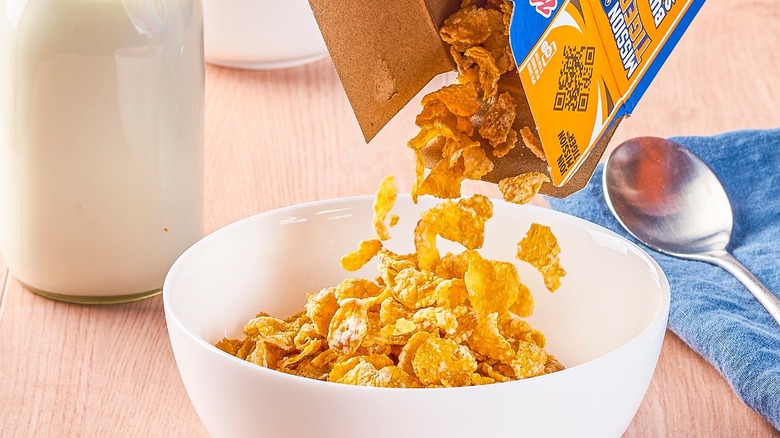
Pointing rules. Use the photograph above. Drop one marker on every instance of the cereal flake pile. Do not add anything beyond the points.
(427, 320)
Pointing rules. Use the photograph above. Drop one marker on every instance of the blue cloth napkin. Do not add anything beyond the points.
(710, 310)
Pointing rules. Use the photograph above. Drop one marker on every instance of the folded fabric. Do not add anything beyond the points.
(710, 310)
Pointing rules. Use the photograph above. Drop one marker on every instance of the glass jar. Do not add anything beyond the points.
(101, 143)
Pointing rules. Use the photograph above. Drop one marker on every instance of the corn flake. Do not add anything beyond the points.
(504, 148)
(321, 307)
(438, 319)
(415, 289)
(272, 331)
(367, 374)
(425, 245)
(455, 265)
(451, 293)
(265, 354)
(540, 248)
(529, 361)
(517, 329)
(443, 362)
(349, 326)
(499, 117)
(366, 251)
(391, 311)
(459, 221)
(383, 203)
(460, 99)
(521, 189)
(230, 346)
(467, 323)
(443, 181)
(488, 371)
(492, 286)
(488, 340)
(359, 288)
(466, 28)
(343, 367)
(409, 351)
(488, 71)
(531, 142)
(476, 163)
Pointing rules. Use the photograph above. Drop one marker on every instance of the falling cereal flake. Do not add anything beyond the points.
(540, 248)
(521, 189)
(383, 203)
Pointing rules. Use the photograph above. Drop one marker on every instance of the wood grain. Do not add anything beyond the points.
(283, 137)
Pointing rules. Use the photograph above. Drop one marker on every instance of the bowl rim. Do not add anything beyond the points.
(660, 317)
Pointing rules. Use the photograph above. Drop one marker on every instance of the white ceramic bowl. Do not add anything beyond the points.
(606, 323)
(261, 34)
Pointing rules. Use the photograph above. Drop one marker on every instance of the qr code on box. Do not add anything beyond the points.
(575, 78)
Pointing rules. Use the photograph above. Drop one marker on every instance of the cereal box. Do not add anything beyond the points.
(582, 66)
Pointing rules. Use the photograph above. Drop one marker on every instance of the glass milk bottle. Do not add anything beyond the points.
(101, 143)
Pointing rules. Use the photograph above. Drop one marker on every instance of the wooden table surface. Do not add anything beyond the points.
(284, 137)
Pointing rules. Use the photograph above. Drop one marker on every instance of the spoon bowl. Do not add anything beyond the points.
(671, 201)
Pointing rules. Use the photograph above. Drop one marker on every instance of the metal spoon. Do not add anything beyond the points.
(671, 201)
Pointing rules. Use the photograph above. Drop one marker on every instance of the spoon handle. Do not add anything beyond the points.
(764, 296)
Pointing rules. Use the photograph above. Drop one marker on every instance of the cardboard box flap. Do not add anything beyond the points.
(384, 55)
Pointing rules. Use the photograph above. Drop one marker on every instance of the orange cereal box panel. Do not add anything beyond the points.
(585, 64)
(582, 67)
